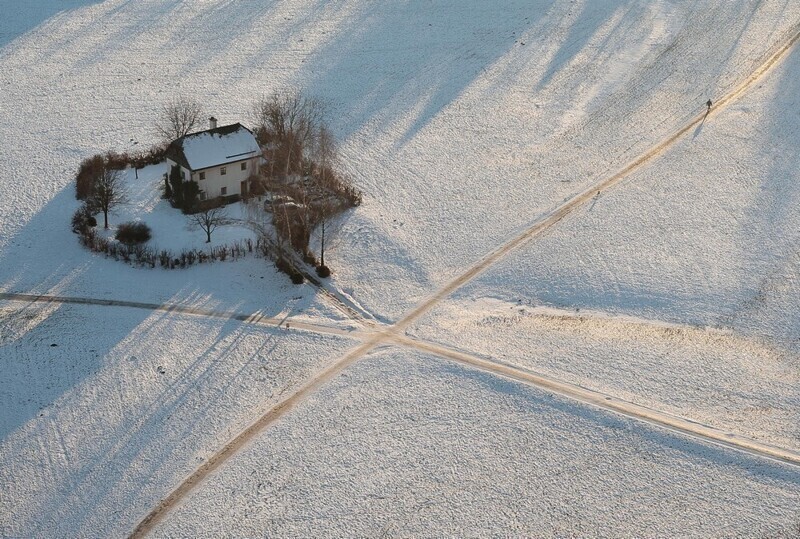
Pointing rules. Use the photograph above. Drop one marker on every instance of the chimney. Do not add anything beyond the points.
(212, 122)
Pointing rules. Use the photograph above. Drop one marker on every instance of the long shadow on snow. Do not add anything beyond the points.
(423, 63)
(20, 18)
(678, 67)
(45, 257)
(593, 16)
(700, 304)
(125, 455)
(770, 228)
(43, 364)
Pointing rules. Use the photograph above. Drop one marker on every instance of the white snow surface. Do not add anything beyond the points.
(706, 235)
(405, 445)
(204, 150)
(464, 122)
(170, 228)
(105, 409)
(745, 385)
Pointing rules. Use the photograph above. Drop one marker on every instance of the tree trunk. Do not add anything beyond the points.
(208, 236)
(105, 219)
(322, 245)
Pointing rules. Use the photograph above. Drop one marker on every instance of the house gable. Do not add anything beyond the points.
(214, 147)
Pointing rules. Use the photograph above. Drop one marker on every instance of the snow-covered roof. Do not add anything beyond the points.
(214, 147)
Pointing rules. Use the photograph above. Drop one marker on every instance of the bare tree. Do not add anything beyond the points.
(287, 123)
(209, 220)
(108, 192)
(179, 117)
(328, 223)
(308, 193)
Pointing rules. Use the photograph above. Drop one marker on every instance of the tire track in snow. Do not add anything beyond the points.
(590, 192)
(597, 399)
(394, 332)
(537, 314)
(233, 446)
(247, 318)
(341, 302)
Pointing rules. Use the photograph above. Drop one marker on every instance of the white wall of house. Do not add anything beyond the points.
(214, 181)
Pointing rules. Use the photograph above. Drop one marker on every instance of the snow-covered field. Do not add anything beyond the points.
(405, 445)
(706, 234)
(465, 122)
(747, 386)
(105, 408)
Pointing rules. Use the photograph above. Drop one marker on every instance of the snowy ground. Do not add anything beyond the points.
(171, 229)
(594, 85)
(409, 446)
(105, 409)
(464, 122)
(706, 234)
(442, 130)
(718, 378)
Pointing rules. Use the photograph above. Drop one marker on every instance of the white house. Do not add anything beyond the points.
(219, 159)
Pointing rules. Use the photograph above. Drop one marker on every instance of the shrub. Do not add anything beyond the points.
(83, 220)
(92, 167)
(284, 266)
(310, 259)
(324, 271)
(133, 233)
(153, 156)
(79, 222)
(88, 171)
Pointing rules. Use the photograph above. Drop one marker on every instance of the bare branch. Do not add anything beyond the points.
(209, 220)
(178, 118)
(108, 191)
(287, 124)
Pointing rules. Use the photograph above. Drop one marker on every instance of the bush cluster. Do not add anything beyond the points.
(91, 167)
(284, 266)
(83, 219)
(133, 250)
(133, 233)
(145, 256)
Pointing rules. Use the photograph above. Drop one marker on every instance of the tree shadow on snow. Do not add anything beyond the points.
(155, 437)
(397, 64)
(45, 257)
(20, 18)
(768, 234)
(46, 361)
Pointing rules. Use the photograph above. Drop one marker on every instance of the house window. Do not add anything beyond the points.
(222, 171)
(202, 175)
(244, 165)
(224, 190)
(202, 195)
